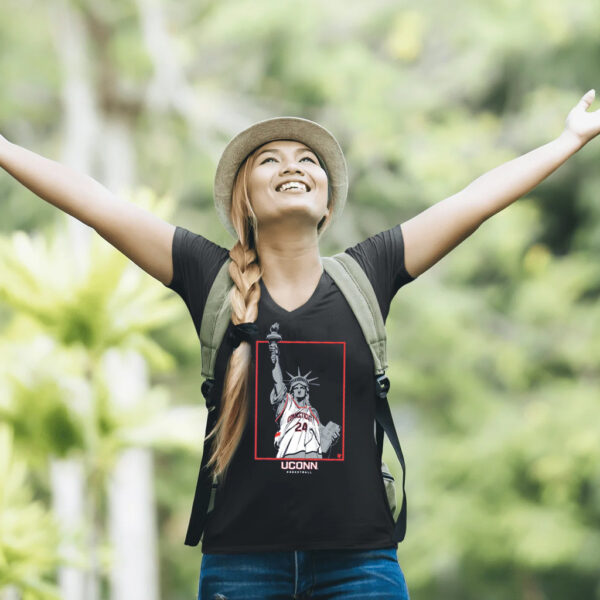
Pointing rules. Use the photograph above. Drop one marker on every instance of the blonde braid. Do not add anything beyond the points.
(245, 272)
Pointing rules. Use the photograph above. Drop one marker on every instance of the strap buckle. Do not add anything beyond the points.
(207, 387)
(382, 385)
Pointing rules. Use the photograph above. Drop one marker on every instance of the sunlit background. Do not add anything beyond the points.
(494, 352)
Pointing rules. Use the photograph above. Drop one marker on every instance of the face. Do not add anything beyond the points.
(276, 163)
(300, 392)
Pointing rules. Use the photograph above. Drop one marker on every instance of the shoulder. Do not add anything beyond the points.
(196, 245)
(280, 407)
(196, 259)
(196, 263)
(385, 247)
(381, 257)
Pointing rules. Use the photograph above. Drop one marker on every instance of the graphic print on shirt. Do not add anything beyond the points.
(305, 419)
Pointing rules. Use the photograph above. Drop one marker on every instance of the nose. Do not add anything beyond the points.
(292, 166)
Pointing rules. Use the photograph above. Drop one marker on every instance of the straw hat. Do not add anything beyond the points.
(308, 132)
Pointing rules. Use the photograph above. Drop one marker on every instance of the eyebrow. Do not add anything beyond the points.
(303, 149)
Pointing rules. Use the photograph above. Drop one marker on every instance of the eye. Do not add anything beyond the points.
(304, 157)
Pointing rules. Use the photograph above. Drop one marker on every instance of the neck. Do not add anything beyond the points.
(289, 256)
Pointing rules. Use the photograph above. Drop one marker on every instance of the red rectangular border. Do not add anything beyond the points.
(256, 457)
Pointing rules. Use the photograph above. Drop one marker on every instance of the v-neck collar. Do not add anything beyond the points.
(313, 297)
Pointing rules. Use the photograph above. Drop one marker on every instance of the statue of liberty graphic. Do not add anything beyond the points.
(301, 434)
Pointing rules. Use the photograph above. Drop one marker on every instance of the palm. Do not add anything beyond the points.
(584, 125)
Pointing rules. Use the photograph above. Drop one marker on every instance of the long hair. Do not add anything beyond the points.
(245, 271)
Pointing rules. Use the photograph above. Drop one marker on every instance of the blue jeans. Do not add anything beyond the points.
(303, 574)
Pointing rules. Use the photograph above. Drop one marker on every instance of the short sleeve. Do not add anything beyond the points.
(196, 262)
(382, 258)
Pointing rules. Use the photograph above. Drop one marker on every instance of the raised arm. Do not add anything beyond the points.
(137, 233)
(431, 234)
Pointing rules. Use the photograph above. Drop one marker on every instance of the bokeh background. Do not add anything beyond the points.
(494, 352)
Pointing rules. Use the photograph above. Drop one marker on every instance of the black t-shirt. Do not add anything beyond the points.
(292, 485)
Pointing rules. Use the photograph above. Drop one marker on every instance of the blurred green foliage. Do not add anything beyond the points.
(28, 544)
(495, 352)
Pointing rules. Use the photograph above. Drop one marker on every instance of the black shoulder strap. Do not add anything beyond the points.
(385, 422)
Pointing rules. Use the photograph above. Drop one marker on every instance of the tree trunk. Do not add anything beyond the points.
(80, 126)
(131, 501)
(9, 592)
(68, 504)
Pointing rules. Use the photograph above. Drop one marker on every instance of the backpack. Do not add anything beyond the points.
(358, 291)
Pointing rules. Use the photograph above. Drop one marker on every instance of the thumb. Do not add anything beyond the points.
(587, 98)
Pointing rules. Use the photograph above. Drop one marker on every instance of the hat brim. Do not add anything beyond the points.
(298, 129)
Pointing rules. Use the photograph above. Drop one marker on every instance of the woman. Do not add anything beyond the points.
(284, 528)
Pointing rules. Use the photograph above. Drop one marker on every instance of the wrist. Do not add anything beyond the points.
(570, 141)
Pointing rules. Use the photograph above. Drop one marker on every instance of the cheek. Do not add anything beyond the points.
(254, 186)
(258, 195)
(258, 182)
(322, 180)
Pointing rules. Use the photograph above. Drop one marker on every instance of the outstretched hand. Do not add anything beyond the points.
(583, 125)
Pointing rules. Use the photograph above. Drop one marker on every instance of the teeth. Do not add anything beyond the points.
(293, 185)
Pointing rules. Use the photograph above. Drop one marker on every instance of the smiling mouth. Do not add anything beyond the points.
(297, 187)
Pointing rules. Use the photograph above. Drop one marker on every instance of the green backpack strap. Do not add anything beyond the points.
(350, 278)
(215, 319)
(360, 295)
